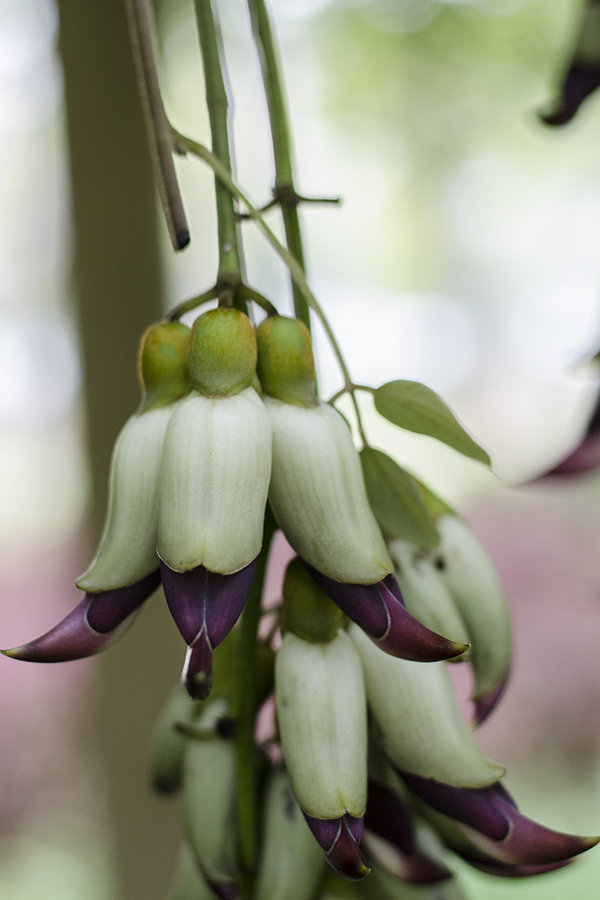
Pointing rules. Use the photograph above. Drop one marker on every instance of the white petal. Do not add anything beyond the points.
(318, 495)
(127, 550)
(321, 711)
(473, 581)
(416, 712)
(215, 478)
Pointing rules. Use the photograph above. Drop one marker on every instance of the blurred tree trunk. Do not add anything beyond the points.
(118, 286)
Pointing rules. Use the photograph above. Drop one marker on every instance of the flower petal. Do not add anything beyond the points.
(493, 824)
(205, 606)
(96, 621)
(340, 838)
(380, 612)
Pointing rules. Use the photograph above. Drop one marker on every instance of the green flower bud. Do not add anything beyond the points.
(209, 799)
(307, 610)
(163, 364)
(222, 353)
(322, 717)
(470, 576)
(318, 494)
(214, 481)
(286, 367)
(418, 719)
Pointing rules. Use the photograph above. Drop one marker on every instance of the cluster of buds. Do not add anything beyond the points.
(370, 754)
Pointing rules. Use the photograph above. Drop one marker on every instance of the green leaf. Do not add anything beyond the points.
(412, 405)
(396, 500)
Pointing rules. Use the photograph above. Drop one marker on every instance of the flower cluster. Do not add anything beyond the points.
(369, 741)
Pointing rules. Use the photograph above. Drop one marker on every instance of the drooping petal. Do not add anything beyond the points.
(322, 718)
(380, 612)
(127, 550)
(473, 582)
(96, 621)
(340, 838)
(318, 495)
(214, 482)
(419, 724)
(492, 822)
(205, 606)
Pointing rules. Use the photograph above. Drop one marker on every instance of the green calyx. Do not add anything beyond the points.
(286, 366)
(163, 364)
(222, 353)
(307, 610)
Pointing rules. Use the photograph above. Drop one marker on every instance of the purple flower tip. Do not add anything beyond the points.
(486, 703)
(340, 838)
(96, 621)
(497, 827)
(380, 611)
(202, 600)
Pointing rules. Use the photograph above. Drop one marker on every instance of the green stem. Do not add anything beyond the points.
(229, 274)
(188, 145)
(285, 192)
(243, 708)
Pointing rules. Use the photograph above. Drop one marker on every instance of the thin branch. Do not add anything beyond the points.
(218, 111)
(143, 42)
(282, 145)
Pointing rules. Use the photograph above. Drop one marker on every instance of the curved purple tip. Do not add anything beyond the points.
(96, 621)
(340, 838)
(380, 611)
(497, 827)
(484, 705)
(205, 606)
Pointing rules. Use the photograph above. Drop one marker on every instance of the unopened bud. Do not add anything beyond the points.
(222, 353)
(163, 364)
(286, 367)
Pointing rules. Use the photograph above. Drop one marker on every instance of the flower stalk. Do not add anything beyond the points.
(229, 274)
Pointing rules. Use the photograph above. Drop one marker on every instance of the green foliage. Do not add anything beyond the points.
(414, 406)
(396, 500)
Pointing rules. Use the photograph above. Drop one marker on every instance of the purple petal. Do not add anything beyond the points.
(96, 621)
(475, 807)
(199, 599)
(496, 827)
(339, 838)
(486, 703)
(389, 817)
(380, 611)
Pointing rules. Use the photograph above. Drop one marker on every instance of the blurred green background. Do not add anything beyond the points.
(464, 254)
